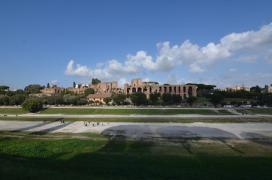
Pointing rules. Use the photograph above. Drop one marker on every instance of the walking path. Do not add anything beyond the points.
(147, 130)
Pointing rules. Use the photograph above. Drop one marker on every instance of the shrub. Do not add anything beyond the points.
(32, 105)
(138, 98)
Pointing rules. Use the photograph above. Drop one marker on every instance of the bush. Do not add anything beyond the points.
(32, 105)
(138, 98)
(118, 99)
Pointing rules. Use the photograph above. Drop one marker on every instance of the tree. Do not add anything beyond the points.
(154, 98)
(4, 88)
(74, 84)
(176, 99)
(191, 100)
(119, 99)
(33, 88)
(70, 99)
(4, 100)
(95, 81)
(138, 98)
(53, 100)
(89, 91)
(107, 100)
(32, 105)
(256, 89)
(216, 99)
(48, 85)
(17, 99)
(167, 99)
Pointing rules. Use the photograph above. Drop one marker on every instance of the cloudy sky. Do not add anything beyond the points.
(220, 42)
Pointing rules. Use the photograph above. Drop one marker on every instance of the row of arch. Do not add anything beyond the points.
(162, 90)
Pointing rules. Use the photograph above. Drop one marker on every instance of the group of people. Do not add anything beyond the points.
(93, 124)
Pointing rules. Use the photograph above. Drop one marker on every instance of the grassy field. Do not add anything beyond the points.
(95, 157)
(144, 111)
(256, 111)
(12, 111)
(147, 120)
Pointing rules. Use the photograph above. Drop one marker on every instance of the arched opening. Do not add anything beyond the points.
(133, 90)
(190, 91)
(145, 89)
(139, 89)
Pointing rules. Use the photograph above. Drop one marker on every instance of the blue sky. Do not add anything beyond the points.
(60, 41)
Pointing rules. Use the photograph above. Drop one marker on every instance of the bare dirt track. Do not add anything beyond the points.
(146, 130)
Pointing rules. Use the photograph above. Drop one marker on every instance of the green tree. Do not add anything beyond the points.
(107, 100)
(138, 98)
(95, 81)
(216, 99)
(154, 98)
(32, 105)
(167, 99)
(89, 91)
(4, 100)
(17, 99)
(176, 99)
(4, 88)
(74, 84)
(119, 99)
(48, 85)
(191, 100)
(33, 88)
(256, 89)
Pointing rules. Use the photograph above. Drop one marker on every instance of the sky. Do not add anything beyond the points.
(222, 42)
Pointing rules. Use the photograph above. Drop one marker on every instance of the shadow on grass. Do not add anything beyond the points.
(122, 158)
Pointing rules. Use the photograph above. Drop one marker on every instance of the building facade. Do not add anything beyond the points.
(137, 85)
(98, 98)
(268, 88)
(52, 91)
(106, 87)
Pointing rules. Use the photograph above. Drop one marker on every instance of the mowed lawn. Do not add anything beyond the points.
(144, 111)
(256, 111)
(36, 157)
(12, 111)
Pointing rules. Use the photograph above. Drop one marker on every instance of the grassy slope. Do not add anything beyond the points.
(132, 111)
(31, 158)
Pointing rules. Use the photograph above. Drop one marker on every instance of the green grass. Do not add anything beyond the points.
(144, 111)
(147, 120)
(33, 158)
(12, 111)
(256, 111)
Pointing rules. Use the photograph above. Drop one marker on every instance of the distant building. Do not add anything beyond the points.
(238, 88)
(98, 98)
(52, 91)
(106, 87)
(137, 85)
(268, 88)
(77, 90)
(103, 90)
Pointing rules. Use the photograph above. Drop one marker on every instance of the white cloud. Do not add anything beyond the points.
(197, 58)
(79, 70)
